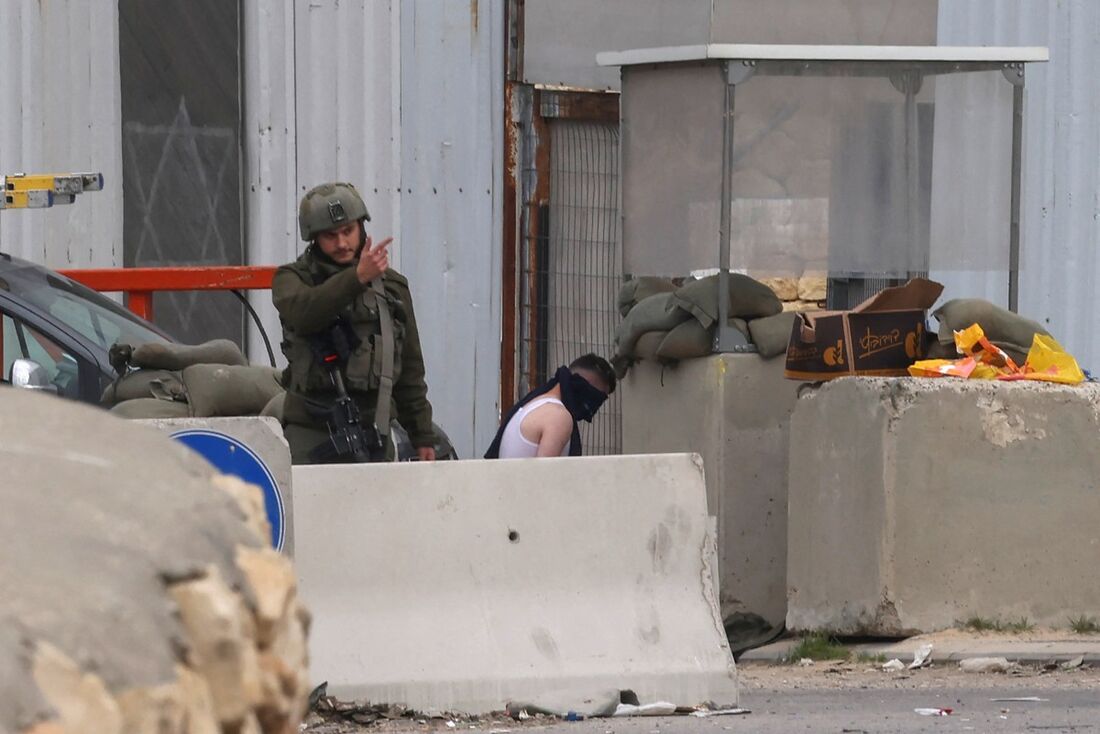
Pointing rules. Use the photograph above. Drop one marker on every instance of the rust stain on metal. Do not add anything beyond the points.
(509, 276)
(473, 15)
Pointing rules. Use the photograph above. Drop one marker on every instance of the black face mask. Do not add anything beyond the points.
(581, 398)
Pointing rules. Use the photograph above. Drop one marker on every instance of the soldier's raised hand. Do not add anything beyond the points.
(373, 260)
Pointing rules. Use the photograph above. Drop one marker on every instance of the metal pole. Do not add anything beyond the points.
(724, 223)
(727, 338)
(912, 175)
(1017, 168)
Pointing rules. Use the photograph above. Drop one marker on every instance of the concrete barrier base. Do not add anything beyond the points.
(915, 504)
(734, 410)
(461, 586)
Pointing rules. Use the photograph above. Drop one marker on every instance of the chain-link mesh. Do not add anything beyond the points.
(572, 267)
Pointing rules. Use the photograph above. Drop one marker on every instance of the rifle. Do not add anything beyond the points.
(349, 441)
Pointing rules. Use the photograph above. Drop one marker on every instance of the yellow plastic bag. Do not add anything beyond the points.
(943, 368)
(972, 341)
(1049, 362)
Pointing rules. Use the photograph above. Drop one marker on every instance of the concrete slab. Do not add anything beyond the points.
(263, 437)
(916, 503)
(463, 585)
(733, 410)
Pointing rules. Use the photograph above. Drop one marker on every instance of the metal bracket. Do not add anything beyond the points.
(729, 339)
(1014, 73)
(739, 72)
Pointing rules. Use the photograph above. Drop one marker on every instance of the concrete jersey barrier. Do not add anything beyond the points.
(461, 586)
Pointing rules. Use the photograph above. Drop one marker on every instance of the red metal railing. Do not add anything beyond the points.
(139, 284)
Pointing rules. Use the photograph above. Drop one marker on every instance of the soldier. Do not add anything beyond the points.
(347, 322)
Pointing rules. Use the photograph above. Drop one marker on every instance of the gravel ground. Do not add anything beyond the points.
(839, 697)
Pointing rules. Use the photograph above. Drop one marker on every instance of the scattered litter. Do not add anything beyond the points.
(660, 708)
(1021, 699)
(933, 712)
(573, 716)
(1076, 662)
(805, 662)
(894, 664)
(704, 713)
(450, 725)
(523, 715)
(985, 665)
(921, 656)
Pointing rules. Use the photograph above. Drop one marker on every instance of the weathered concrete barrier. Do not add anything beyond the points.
(466, 585)
(733, 410)
(252, 448)
(918, 503)
(139, 591)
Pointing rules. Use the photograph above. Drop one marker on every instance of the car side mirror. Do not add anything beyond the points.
(28, 374)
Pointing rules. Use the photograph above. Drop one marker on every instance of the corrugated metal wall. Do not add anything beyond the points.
(1060, 230)
(60, 111)
(404, 99)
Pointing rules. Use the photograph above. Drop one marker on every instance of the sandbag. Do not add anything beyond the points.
(647, 345)
(274, 407)
(655, 313)
(1008, 330)
(772, 334)
(166, 356)
(636, 290)
(687, 341)
(749, 299)
(161, 384)
(151, 408)
(230, 390)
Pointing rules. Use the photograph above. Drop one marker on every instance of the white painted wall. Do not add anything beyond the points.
(1060, 208)
(60, 111)
(404, 99)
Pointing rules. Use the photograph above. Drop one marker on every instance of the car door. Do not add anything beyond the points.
(69, 365)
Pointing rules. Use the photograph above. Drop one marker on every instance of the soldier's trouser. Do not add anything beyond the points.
(304, 439)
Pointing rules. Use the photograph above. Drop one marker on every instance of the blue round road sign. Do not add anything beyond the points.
(233, 457)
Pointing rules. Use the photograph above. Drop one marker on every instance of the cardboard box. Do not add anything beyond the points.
(881, 336)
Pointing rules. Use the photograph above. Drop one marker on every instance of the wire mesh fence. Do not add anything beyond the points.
(572, 264)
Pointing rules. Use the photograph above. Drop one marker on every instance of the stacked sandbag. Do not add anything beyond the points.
(198, 381)
(1009, 331)
(670, 323)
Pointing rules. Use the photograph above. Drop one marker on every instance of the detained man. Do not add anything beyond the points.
(545, 422)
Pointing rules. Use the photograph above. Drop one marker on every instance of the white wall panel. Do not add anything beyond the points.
(1061, 175)
(60, 111)
(404, 99)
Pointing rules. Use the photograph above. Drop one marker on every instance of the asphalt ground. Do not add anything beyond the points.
(843, 697)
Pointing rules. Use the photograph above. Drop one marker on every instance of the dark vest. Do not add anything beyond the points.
(308, 378)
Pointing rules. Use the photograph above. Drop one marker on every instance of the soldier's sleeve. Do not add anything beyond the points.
(309, 308)
(414, 412)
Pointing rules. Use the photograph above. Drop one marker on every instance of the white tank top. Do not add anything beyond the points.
(513, 444)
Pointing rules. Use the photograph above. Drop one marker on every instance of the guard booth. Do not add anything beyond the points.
(867, 165)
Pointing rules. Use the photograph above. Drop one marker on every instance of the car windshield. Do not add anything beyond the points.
(97, 317)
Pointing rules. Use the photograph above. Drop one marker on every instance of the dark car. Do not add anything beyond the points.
(53, 322)
(64, 327)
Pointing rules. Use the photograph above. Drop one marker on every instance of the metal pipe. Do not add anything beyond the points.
(1017, 167)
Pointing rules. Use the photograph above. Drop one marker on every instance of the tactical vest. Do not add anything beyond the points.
(368, 372)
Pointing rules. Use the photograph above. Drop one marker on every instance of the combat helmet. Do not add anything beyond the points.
(328, 206)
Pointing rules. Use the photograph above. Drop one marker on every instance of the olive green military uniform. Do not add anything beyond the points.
(309, 294)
